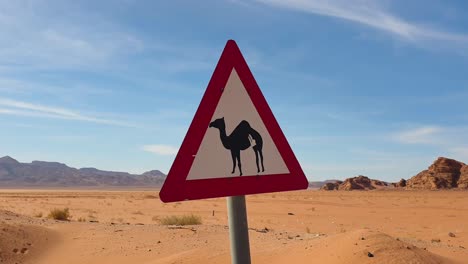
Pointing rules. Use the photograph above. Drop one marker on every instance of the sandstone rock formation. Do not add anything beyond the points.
(444, 173)
(356, 183)
(320, 184)
(330, 186)
(400, 184)
(463, 180)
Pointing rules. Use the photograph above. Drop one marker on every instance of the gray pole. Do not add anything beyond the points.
(238, 230)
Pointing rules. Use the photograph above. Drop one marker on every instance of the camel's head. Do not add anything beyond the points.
(218, 123)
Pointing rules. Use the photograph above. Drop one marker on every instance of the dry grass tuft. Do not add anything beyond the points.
(181, 220)
(60, 214)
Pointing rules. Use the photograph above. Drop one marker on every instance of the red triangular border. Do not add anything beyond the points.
(177, 188)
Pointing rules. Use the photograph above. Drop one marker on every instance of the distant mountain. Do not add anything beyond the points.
(55, 174)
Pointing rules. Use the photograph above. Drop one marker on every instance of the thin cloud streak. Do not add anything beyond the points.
(371, 15)
(163, 150)
(20, 108)
(421, 135)
(448, 140)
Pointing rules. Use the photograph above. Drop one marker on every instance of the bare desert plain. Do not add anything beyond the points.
(124, 226)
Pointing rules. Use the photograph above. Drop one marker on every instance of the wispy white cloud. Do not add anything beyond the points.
(372, 14)
(420, 135)
(21, 108)
(164, 150)
(448, 141)
(31, 39)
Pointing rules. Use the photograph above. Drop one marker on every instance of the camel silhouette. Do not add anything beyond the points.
(239, 140)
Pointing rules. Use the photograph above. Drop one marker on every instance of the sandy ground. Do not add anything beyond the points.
(292, 227)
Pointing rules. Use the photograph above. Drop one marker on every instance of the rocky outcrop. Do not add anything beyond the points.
(356, 183)
(330, 186)
(444, 173)
(400, 184)
(320, 184)
(463, 180)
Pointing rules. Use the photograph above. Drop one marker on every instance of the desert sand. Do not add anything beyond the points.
(392, 226)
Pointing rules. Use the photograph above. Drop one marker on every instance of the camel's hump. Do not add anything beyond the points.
(244, 123)
(243, 127)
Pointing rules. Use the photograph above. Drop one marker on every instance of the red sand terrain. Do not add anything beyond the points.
(293, 227)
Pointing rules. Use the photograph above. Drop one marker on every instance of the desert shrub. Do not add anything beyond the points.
(81, 219)
(60, 214)
(181, 220)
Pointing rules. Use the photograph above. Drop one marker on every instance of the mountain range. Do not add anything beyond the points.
(54, 174)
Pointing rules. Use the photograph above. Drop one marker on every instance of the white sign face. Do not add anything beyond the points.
(236, 133)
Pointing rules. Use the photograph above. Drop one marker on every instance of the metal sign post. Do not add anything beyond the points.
(238, 230)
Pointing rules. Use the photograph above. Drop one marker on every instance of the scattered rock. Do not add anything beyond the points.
(264, 230)
(290, 214)
(370, 255)
(435, 240)
(450, 234)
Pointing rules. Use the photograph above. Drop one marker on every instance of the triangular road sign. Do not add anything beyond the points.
(232, 125)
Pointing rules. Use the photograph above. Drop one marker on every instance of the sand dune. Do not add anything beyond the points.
(23, 243)
(359, 246)
(293, 227)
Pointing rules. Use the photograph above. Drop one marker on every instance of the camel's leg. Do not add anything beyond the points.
(261, 158)
(233, 156)
(256, 158)
(239, 162)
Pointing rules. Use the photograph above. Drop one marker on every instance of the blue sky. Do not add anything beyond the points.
(377, 88)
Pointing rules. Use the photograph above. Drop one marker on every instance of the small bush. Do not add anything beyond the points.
(60, 214)
(181, 220)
